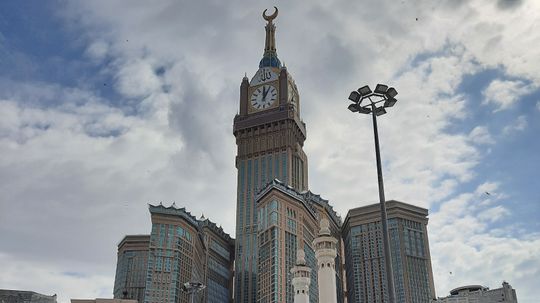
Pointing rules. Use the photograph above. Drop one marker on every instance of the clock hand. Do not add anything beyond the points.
(265, 92)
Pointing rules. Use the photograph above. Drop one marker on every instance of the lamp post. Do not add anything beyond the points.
(192, 288)
(387, 95)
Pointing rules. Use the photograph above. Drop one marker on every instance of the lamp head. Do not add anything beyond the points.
(186, 287)
(391, 92)
(390, 102)
(381, 89)
(354, 107)
(354, 96)
(364, 90)
(380, 111)
(364, 110)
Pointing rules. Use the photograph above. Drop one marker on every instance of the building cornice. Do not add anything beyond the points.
(371, 213)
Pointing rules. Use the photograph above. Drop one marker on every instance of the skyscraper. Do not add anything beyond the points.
(175, 254)
(288, 221)
(184, 249)
(219, 256)
(364, 258)
(270, 136)
(131, 266)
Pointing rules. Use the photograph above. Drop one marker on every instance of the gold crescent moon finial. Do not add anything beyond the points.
(271, 17)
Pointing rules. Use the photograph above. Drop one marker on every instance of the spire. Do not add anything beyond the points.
(301, 278)
(325, 227)
(326, 252)
(270, 58)
(300, 257)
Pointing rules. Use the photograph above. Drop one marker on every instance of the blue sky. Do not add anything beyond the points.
(107, 106)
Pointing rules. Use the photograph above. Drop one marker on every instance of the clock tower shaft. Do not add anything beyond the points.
(270, 143)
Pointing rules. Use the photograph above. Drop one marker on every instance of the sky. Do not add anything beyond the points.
(107, 106)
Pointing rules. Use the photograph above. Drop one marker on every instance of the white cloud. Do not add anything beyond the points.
(91, 169)
(504, 94)
(538, 105)
(137, 79)
(62, 281)
(169, 137)
(488, 188)
(493, 214)
(517, 125)
(97, 50)
(481, 135)
(464, 251)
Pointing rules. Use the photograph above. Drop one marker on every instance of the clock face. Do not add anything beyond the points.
(264, 75)
(263, 97)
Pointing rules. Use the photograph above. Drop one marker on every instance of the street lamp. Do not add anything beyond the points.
(192, 288)
(387, 95)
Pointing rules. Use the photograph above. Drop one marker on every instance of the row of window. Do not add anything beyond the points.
(222, 251)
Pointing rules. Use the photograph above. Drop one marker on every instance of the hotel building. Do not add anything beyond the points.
(131, 266)
(409, 246)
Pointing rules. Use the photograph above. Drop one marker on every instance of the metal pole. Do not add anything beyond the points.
(386, 240)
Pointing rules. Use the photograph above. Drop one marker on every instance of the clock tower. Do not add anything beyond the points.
(270, 136)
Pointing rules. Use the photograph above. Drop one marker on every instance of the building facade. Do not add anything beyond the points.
(131, 266)
(24, 296)
(481, 294)
(180, 249)
(99, 300)
(176, 255)
(219, 256)
(409, 246)
(270, 137)
(288, 221)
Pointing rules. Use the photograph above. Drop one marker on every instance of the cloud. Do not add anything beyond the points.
(493, 214)
(78, 165)
(465, 251)
(509, 4)
(517, 125)
(503, 94)
(89, 160)
(66, 285)
(97, 50)
(137, 79)
(481, 135)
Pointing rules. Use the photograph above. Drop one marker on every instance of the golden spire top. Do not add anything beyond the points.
(270, 54)
(271, 17)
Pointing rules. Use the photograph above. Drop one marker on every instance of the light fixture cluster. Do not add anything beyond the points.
(386, 95)
(193, 287)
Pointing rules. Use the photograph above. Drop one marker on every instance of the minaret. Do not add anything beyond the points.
(326, 252)
(301, 278)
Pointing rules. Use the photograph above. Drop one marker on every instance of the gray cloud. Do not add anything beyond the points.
(509, 4)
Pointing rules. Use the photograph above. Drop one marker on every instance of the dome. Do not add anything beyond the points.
(270, 60)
